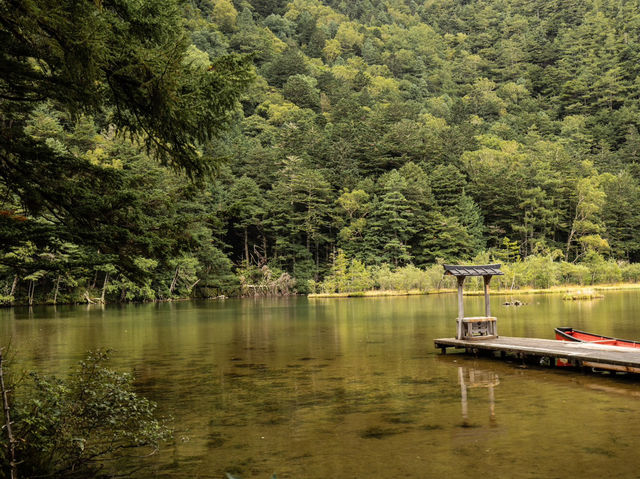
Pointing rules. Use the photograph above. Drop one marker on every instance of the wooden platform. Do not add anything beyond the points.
(575, 353)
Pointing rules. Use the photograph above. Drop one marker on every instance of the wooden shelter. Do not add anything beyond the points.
(475, 327)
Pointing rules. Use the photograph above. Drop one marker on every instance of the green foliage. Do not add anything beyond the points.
(630, 272)
(575, 273)
(301, 90)
(87, 58)
(602, 271)
(353, 276)
(404, 279)
(337, 279)
(401, 133)
(6, 300)
(536, 271)
(73, 76)
(78, 425)
(540, 271)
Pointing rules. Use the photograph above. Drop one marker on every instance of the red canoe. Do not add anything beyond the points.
(570, 334)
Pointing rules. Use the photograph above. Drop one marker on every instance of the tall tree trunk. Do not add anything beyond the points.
(7, 424)
(13, 286)
(104, 286)
(175, 280)
(315, 276)
(55, 294)
(246, 245)
(566, 253)
(31, 291)
(571, 233)
(264, 246)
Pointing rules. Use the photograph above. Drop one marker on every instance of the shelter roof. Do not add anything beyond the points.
(483, 270)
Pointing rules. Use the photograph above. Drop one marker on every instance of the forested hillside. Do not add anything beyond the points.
(400, 132)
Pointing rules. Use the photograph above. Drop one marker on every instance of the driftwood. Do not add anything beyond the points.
(88, 298)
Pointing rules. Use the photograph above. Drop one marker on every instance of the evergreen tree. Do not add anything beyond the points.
(390, 228)
(447, 183)
(245, 206)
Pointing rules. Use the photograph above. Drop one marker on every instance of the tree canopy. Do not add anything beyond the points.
(401, 133)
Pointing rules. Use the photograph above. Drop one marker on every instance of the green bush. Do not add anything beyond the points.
(437, 280)
(630, 272)
(602, 271)
(6, 300)
(359, 277)
(540, 271)
(406, 278)
(571, 273)
(72, 427)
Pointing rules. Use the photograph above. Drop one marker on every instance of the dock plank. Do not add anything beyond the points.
(576, 351)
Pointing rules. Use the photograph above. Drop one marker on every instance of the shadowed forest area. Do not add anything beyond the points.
(264, 146)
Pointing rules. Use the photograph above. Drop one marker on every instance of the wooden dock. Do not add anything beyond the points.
(579, 354)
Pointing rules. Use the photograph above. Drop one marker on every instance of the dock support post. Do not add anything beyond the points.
(460, 307)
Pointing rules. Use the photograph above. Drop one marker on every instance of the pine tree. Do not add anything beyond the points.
(246, 208)
(390, 227)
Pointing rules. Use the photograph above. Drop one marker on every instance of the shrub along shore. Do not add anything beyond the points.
(567, 289)
(533, 275)
(346, 277)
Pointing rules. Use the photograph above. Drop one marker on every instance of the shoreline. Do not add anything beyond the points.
(495, 292)
(373, 294)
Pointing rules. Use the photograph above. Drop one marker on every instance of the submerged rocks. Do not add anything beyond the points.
(515, 302)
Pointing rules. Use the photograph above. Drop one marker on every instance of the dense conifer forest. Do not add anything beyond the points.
(154, 150)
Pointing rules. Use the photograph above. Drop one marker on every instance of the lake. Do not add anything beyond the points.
(354, 388)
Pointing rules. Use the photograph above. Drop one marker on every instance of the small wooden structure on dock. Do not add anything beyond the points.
(545, 351)
(480, 334)
(475, 327)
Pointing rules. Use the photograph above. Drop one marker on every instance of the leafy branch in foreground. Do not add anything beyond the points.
(73, 427)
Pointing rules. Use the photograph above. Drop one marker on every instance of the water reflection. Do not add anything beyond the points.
(352, 388)
(477, 378)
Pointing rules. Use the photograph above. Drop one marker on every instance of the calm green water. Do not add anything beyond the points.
(353, 388)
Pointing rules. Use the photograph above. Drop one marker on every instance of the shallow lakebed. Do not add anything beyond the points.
(353, 387)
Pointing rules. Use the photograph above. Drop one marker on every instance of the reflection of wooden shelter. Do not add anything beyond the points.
(475, 378)
(475, 327)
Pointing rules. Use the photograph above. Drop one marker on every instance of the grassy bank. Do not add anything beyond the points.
(567, 289)
(377, 293)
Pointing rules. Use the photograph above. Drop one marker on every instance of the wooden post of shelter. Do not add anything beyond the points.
(460, 307)
(487, 304)
(474, 327)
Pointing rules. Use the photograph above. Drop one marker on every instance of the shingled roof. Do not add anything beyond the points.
(461, 270)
